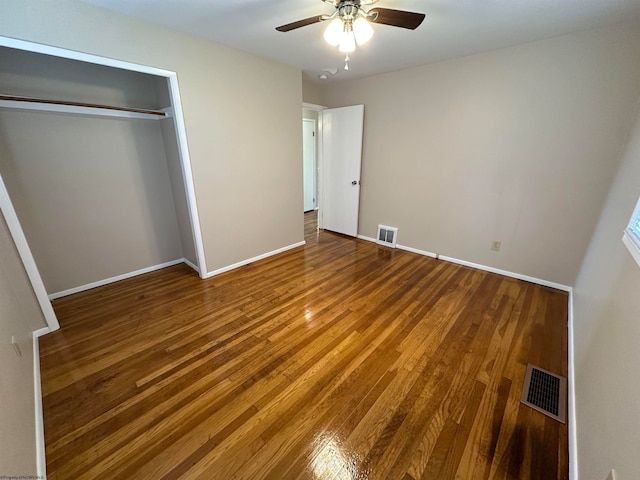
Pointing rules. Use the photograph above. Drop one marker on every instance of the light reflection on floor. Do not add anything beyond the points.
(331, 461)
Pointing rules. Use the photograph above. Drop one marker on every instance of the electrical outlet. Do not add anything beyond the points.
(495, 245)
(16, 347)
(612, 475)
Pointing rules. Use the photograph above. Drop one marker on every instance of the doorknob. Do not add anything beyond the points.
(355, 182)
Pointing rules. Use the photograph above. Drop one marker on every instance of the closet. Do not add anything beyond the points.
(90, 158)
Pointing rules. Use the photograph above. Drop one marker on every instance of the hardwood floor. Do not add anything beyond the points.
(337, 360)
(311, 226)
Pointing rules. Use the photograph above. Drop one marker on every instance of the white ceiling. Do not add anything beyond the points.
(452, 28)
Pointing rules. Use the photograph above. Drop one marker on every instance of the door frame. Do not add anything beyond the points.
(319, 109)
(314, 122)
(183, 149)
(346, 205)
(29, 263)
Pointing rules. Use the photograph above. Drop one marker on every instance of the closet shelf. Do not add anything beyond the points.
(61, 106)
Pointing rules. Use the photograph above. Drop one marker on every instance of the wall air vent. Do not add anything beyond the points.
(545, 392)
(387, 236)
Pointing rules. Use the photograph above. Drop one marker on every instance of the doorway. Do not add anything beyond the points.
(342, 150)
(312, 181)
(338, 148)
(309, 165)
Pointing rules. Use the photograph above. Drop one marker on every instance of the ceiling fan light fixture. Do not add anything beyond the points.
(350, 24)
(362, 30)
(348, 43)
(334, 33)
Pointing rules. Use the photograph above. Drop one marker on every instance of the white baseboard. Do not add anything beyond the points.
(192, 265)
(368, 239)
(254, 259)
(117, 278)
(41, 460)
(402, 247)
(571, 420)
(415, 250)
(506, 273)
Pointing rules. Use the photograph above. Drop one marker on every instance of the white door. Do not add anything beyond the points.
(341, 158)
(309, 163)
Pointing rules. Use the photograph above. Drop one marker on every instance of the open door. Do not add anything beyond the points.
(342, 156)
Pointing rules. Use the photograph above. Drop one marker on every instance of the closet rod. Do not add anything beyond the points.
(80, 104)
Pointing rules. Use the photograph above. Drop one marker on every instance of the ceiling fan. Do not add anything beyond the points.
(350, 23)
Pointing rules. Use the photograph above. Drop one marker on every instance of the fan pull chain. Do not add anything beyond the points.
(346, 62)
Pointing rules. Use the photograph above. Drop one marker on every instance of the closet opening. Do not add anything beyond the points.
(95, 176)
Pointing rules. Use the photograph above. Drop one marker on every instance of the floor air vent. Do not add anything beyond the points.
(545, 392)
(387, 236)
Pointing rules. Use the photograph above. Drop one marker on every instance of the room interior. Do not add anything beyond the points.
(530, 138)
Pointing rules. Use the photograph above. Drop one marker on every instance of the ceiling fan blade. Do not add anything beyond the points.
(301, 23)
(397, 18)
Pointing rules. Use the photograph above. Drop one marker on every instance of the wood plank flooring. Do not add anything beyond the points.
(338, 360)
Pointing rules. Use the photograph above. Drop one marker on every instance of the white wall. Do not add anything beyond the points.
(19, 316)
(607, 336)
(517, 145)
(247, 173)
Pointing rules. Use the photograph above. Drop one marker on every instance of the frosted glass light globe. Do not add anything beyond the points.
(362, 30)
(334, 32)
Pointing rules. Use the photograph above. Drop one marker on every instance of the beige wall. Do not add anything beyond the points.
(176, 179)
(80, 234)
(607, 336)
(19, 317)
(35, 75)
(92, 194)
(517, 145)
(310, 114)
(311, 91)
(242, 115)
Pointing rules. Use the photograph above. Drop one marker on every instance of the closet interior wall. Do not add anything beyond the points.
(97, 197)
(176, 175)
